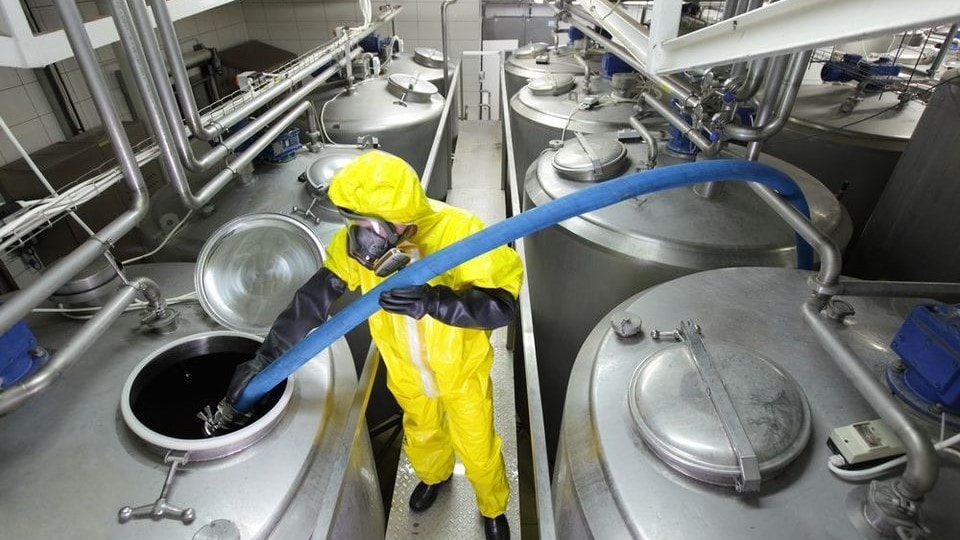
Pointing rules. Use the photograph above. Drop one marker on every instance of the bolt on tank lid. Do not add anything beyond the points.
(672, 408)
(530, 50)
(428, 57)
(553, 84)
(591, 159)
(410, 88)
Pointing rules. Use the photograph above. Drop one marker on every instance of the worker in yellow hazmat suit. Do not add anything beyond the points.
(434, 339)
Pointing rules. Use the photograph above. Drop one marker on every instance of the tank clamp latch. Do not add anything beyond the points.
(160, 509)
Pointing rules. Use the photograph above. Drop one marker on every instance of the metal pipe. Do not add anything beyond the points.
(754, 78)
(674, 87)
(171, 113)
(944, 49)
(213, 124)
(920, 475)
(653, 149)
(789, 89)
(538, 442)
(707, 147)
(730, 8)
(66, 268)
(14, 396)
(438, 137)
(443, 37)
(947, 292)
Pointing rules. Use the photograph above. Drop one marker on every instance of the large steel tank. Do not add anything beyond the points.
(554, 107)
(582, 267)
(103, 436)
(854, 153)
(535, 60)
(912, 234)
(610, 480)
(296, 187)
(400, 110)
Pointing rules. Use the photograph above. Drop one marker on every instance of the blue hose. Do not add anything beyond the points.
(531, 221)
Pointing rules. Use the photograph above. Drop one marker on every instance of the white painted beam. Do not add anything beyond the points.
(795, 25)
(20, 48)
(621, 26)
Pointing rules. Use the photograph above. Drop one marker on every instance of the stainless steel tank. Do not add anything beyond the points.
(97, 440)
(609, 478)
(401, 111)
(535, 60)
(852, 154)
(581, 268)
(424, 62)
(913, 232)
(554, 107)
(289, 188)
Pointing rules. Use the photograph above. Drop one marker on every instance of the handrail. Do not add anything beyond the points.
(538, 441)
(442, 132)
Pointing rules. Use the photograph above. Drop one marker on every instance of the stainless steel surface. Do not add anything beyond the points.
(591, 159)
(70, 451)
(608, 483)
(444, 50)
(477, 188)
(274, 187)
(912, 234)
(250, 268)
(537, 120)
(403, 129)
(161, 509)
(920, 475)
(742, 415)
(423, 62)
(95, 275)
(438, 163)
(608, 254)
(59, 273)
(853, 154)
(322, 170)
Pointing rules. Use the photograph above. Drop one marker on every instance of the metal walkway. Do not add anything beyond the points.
(476, 185)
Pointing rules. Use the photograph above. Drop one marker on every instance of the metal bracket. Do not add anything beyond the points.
(749, 481)
(160, 509)
(308, 211)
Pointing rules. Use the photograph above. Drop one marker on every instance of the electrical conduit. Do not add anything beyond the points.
(575, 204)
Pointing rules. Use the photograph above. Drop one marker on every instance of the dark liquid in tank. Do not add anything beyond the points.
(170, 398)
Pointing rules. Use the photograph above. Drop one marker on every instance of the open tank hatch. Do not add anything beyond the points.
(163, 394)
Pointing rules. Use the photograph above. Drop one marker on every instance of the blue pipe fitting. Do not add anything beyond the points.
(575, 204)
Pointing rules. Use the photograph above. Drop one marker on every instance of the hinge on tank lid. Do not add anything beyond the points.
(749, 481)
(160, 509)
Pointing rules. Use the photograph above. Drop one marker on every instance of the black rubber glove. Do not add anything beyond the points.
(308, 309)
(475, 307)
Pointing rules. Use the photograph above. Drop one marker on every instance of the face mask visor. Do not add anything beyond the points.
(373, 243)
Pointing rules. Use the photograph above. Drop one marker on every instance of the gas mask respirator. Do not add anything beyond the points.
(373, 243)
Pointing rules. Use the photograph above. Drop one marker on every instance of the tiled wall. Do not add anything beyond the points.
(25, 108)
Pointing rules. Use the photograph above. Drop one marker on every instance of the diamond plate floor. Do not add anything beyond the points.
(475, 186)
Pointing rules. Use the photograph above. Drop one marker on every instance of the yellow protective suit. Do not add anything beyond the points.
(439, 374)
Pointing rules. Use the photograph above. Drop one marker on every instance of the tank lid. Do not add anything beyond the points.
(93, 276)
(410, 87)
(250, 268)
(677, 419)
(552, 84)
(322, 170)
(591, 159)
(530, 50)
(428, 57)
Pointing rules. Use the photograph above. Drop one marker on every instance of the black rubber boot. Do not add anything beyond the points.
(424, 494)
(496, 528)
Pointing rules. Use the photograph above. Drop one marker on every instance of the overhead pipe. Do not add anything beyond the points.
(213, 127)
(443, 37)
(79, 343)
(707, 146)
(171, 112)
(789, 88)
(944, 49)
(529, 222)
(69, 266)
